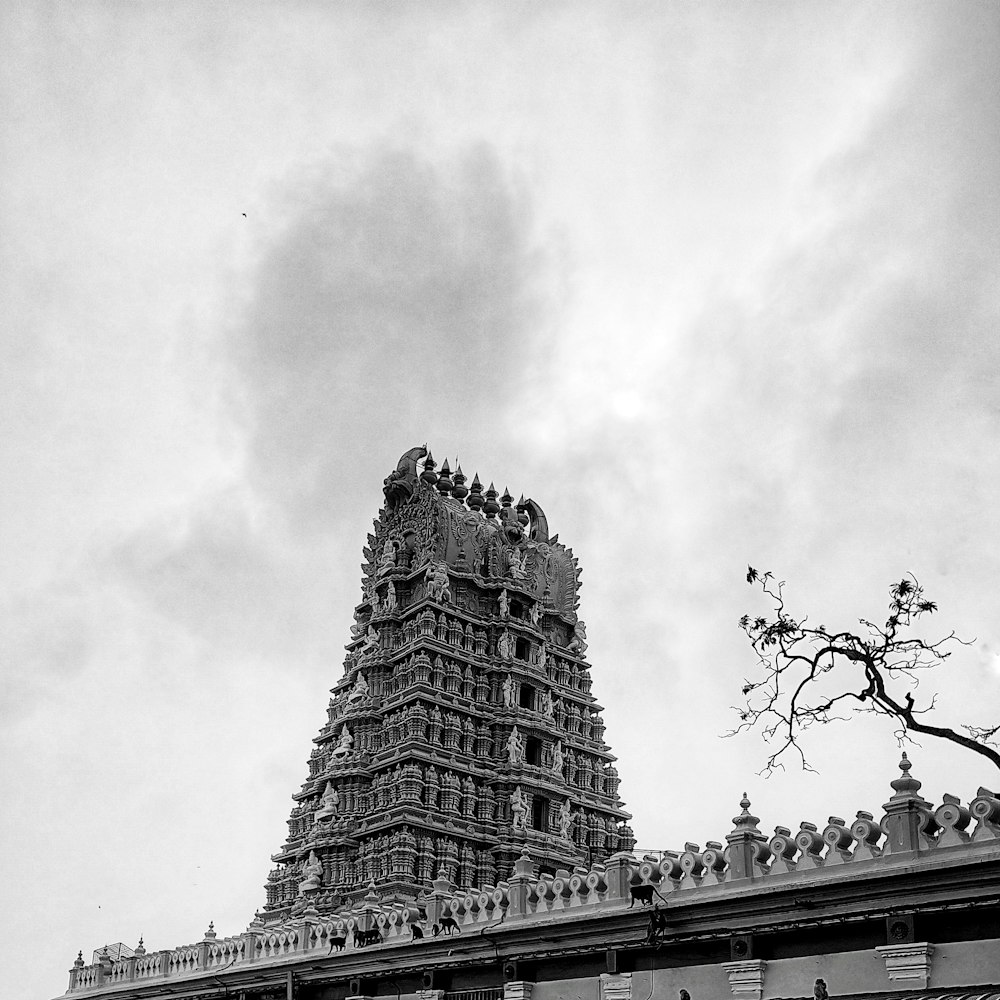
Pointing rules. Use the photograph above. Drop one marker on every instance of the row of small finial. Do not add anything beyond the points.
(453, 484)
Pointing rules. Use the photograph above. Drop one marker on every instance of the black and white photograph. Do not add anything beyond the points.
(500, 500)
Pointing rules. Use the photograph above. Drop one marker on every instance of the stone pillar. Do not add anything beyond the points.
(907, 964)
(254, 928)
(74, 972)
(309, 919)
(206, 942)
(441, 891)
(519, 883)
(746, 978)
(908, 818)
(748, 851)
(103, 967)
(618, 875)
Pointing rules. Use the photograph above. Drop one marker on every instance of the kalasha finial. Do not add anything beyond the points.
(444, 483)
(141, 947)
(429, 476)
(506, 500)
(745, 819)
(491, 508)
(210, 933)
(475, 500)
(459, 490)
(904, 784)
(79, 959)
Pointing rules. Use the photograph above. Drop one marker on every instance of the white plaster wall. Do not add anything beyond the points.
(959, 964)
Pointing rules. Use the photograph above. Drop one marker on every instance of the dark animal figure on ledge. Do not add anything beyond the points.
(364, 938)
(339, 942)
(448, 926)
(417, 931)
(644, 893)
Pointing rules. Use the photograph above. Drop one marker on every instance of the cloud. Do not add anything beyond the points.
(396, 301)
(47, 640)
(831, 419)
(401, 300)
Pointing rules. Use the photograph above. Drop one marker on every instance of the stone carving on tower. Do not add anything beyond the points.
(463, 730)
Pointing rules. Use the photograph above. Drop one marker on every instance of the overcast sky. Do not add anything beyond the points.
(714, 283)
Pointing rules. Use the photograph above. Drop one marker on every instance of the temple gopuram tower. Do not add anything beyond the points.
(463, 731)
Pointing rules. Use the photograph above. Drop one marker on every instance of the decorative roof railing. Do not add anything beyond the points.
(911, 832)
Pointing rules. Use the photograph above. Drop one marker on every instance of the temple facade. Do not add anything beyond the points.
(460, 835)
(463, 731)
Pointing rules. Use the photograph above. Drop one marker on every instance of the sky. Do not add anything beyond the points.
(714, 283)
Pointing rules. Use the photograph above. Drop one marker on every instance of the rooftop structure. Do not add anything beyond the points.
(463, 731)
(904, 907)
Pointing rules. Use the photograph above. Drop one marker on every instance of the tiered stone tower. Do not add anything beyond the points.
(464, 730)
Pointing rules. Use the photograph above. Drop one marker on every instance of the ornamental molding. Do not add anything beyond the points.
(617, 986)
(518, 989)
(907, 963)
(746, 978)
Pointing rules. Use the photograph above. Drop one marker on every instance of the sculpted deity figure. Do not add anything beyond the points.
(517, 564)
(536, 611)
(504, 605)
(518, 808)
(505, 646)
(390, 596)
(371, 641)
(515, 747)
(579, 641)
(360, 691)
(329, 804)
(345, 745)
(389, 554)
(438, 587)
(557, 759)
(312, 870)
(547, 702)
(509, 691)
(566, 818)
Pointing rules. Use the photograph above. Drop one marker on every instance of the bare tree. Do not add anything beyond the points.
(813, 675)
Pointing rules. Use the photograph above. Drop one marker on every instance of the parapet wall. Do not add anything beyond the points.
(911, 834)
